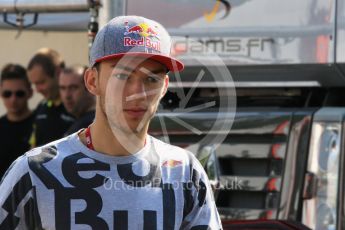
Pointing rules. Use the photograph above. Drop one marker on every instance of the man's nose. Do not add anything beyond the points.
(67, 94)
(136, 90)
(13, 98)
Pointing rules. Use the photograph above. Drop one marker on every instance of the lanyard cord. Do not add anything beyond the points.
(88, 138)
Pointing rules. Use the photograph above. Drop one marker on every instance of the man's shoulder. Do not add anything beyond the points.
(40, 109)
(50, 148)
(169, 152)
(42, 104)
(30, 118)
(3, 119)
(46, 110)
(84, 120)
(159, 144)
(46, 105)
(17, 169)
(41, 152)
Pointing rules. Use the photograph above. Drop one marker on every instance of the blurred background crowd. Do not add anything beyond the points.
(65, 104)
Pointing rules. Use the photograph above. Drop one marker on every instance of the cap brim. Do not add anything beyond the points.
(172, 64)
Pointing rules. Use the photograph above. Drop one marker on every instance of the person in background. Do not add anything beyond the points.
(16, 124)
(51, 120)
(77, 100)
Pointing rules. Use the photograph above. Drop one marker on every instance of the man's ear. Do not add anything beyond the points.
(90, 80)
(166, 84)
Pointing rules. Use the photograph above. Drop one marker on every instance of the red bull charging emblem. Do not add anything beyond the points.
(171, 163)
(146, 33)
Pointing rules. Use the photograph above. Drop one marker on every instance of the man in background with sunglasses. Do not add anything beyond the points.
(16, 124)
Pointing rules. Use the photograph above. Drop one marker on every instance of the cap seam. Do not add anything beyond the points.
(105, 32)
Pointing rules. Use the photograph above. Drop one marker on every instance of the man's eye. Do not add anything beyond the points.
(121, 76)
(153, 79)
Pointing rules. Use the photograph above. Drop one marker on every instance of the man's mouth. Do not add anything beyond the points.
(135, 112)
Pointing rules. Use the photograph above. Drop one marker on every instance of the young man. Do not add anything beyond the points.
(51, 120)
(77, 100)
(16, 124)
(113, 175)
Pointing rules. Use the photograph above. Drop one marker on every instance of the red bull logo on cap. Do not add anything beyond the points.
(143, 29)
(146, 32)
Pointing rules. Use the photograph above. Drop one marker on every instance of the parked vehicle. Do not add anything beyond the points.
(283, 157)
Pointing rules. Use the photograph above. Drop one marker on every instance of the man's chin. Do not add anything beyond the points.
(70, 110)
(46, 96)
(15, 112)
(129, 129)
(133, 129)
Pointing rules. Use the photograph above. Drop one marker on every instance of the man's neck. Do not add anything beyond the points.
(54, 102)
(56, 96)
(18, 117)
(87, 109)
(109, 143)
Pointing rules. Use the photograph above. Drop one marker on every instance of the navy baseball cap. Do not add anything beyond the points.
(134, 36)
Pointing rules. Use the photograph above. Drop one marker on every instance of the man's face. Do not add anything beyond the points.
(72, 91)
(44, 84)
(15, 95)
(130, 91)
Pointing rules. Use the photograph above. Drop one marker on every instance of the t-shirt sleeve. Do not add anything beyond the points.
(202, 214)
(17, 197)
